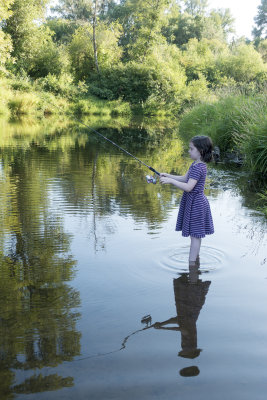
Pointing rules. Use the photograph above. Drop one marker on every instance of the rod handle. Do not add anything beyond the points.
(156, 172)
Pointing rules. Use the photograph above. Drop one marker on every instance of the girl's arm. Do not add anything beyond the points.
(179, 178)
(187, 187)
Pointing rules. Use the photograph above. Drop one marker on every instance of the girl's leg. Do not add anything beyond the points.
(194, 248)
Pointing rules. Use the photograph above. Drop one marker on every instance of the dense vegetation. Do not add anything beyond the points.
(160, 56)
(169, 57)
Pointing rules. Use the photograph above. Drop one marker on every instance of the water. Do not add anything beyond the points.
(97, 300)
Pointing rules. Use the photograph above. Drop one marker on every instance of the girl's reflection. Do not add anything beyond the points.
(190, 293)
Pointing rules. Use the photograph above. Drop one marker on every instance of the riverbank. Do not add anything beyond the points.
(237, 124)
(47, 96)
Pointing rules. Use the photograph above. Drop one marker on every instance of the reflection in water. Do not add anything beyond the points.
(190, 293)
(38, 316)
(53, 177)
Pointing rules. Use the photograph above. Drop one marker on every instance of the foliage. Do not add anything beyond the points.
(47, 57)
(22, 104)
(5, 40)
(262, 202)
(21, 27)
(74, 10)
(234, 123)
(63, 29)
(62, 85)
(82, 53)
(243, 64)
(260, 30)
(155, 82)
(262, 49)
(184, 26)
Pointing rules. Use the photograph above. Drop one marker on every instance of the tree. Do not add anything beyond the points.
(81, 49)
(243, 63)
(262, 49)
(22, 27)
(196, 7)
(82, 10)
(145, 21)
(261, 21)
(5, 40)
(183, 26)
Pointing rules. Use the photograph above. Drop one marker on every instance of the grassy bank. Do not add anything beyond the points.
(49, 95)
(236, 123)
(18, 97)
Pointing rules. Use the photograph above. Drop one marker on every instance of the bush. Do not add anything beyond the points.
(150, 85)
(63, 85)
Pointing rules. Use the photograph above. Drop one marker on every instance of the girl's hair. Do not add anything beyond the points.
(204, 146)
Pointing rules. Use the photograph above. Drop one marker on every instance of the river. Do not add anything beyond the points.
(97, 299)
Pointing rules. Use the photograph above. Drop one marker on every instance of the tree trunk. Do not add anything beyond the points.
(94, 38)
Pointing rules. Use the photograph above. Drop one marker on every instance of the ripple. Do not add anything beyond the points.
(176, 259)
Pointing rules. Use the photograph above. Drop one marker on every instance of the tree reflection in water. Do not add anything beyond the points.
(38, 308)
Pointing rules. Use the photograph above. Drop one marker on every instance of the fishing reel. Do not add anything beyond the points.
(151, 179)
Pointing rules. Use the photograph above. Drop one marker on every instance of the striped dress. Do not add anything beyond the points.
(194, 217)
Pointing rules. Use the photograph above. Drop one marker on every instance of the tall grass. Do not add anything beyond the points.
(236, 123)
(19, 98)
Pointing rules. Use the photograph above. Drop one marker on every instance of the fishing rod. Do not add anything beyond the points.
(149, 178)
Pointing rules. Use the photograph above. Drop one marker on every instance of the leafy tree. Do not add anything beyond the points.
(63, 29)
(195, 7)
(262, 49)
(5, 40)
(46, 57)
(200, 57)
(243, 63)
(84, 12)
(76, 10)
(81, 49)
(141, 23)
(261, 21)
(21, 24)
(219, 24)
(32, 45)
(185, 26)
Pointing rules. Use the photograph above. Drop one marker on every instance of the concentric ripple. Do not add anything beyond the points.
(176, 259)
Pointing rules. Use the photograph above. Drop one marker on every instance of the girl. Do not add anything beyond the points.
(194, 217)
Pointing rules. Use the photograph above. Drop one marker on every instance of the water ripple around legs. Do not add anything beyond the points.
(176, 259)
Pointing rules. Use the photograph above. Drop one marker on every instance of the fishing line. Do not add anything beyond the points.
(150, 179)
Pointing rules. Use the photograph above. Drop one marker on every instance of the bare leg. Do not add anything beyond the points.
(194, 249)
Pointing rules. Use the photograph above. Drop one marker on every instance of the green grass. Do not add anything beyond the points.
(237, 123)
(19, 98)
(262, 201)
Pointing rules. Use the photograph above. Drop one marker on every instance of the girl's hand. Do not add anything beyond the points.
(164, 174)
(164, 179)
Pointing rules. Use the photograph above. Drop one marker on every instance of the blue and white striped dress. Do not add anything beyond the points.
(194, 217)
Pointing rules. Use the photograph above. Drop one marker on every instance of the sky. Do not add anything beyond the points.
(243, 11)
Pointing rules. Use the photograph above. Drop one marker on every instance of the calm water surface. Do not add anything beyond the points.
(97, 299)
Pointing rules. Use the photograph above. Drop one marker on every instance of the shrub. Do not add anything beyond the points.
(63, 85)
